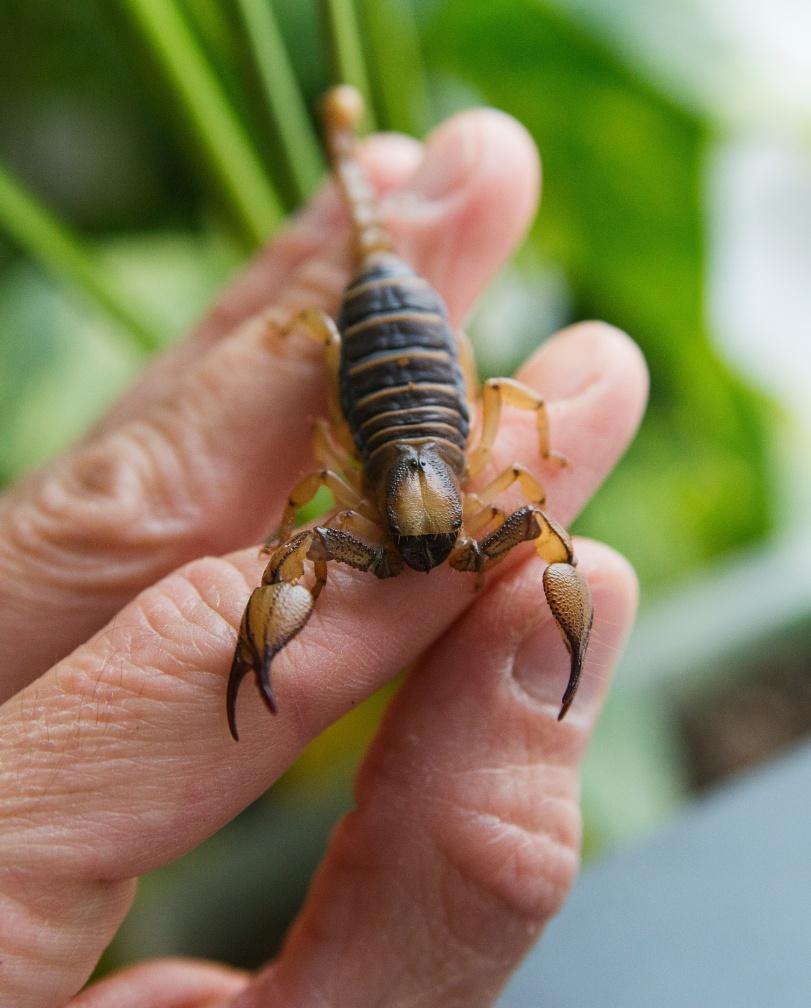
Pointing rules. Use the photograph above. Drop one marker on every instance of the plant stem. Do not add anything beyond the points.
(298, 143)
(398, 72)
(217, 128)
(50, 241)
(347, 50)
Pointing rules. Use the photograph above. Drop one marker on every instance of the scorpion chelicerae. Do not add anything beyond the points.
(394, 453)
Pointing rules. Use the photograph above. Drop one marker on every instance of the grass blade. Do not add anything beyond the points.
(217, 128)
(46, 238)
(397, 68)
(285, 105)
(346, 48)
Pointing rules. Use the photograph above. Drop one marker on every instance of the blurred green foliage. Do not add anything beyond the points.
(622, 215)
(94, 126)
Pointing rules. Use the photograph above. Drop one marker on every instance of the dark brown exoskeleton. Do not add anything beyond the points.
(395, 453)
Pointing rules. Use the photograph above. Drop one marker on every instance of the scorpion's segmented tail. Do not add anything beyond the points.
(342, 110)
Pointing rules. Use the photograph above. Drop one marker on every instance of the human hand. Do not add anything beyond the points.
(117, 759)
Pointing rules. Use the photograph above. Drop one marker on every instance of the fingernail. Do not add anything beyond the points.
(451, 154)
(580, 356)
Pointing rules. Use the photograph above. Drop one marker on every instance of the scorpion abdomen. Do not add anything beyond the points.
(399, 377)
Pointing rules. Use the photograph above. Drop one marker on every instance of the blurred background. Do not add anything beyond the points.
(148, 146)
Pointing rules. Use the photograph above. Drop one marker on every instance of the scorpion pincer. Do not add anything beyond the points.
(395, 452)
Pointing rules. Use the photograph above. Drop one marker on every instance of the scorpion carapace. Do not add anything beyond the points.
(395, 452)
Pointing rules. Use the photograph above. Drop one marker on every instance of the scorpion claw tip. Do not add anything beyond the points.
(268, 697)
(263, 681)
(577, 649)
(238, 670)
(566, 702)
(574, 680)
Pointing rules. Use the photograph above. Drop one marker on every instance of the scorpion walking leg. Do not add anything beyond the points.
(530, 486)
(354, 521)
(566, 589)
(496, 392)
(331, 455)
(304, 492)
(480, 512)
(478, 518)
(467, 362)
(320, 327)
(279, 608)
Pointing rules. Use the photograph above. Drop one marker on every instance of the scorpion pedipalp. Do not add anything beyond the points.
(274, 615)
(569, 597)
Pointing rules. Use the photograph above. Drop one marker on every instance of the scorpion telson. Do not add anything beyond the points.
(395, 451)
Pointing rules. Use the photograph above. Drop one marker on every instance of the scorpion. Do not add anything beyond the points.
(395, 453)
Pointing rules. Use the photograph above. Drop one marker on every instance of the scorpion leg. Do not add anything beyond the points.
(332, 455)
(531, 488)
(566, 589)
(320, 327)
(354, 521)
(516, 473)
(481, 517)
(496, 392)
(467, 362)
(304, 491)
(279, 608)
(480, 512)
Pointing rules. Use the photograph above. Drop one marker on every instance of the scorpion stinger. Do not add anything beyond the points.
(395, 453)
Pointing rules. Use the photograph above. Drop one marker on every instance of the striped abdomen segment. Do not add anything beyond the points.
(399, 377)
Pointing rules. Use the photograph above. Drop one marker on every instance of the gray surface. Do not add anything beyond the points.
(715, 911)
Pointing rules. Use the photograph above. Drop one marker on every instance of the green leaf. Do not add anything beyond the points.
(622, 216)
(396, 65)
(217, 129)
(346, 46)
(298, 145)
(61, 369)
(50, 241)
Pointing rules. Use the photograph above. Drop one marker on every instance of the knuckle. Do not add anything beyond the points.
(167, 646)
(504, 848)
(525, 873)
(120, 492)
(195, 604)
(158, 661)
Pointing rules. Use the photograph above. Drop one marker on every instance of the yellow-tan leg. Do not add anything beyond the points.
(481, 518)
(467, 362)
(304, 491)
(320, 327)
(497, 392)
(330, 454)
(480, 513)
(353, 521)
(530, 486)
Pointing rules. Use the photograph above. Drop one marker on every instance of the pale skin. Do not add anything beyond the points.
(115, 755)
